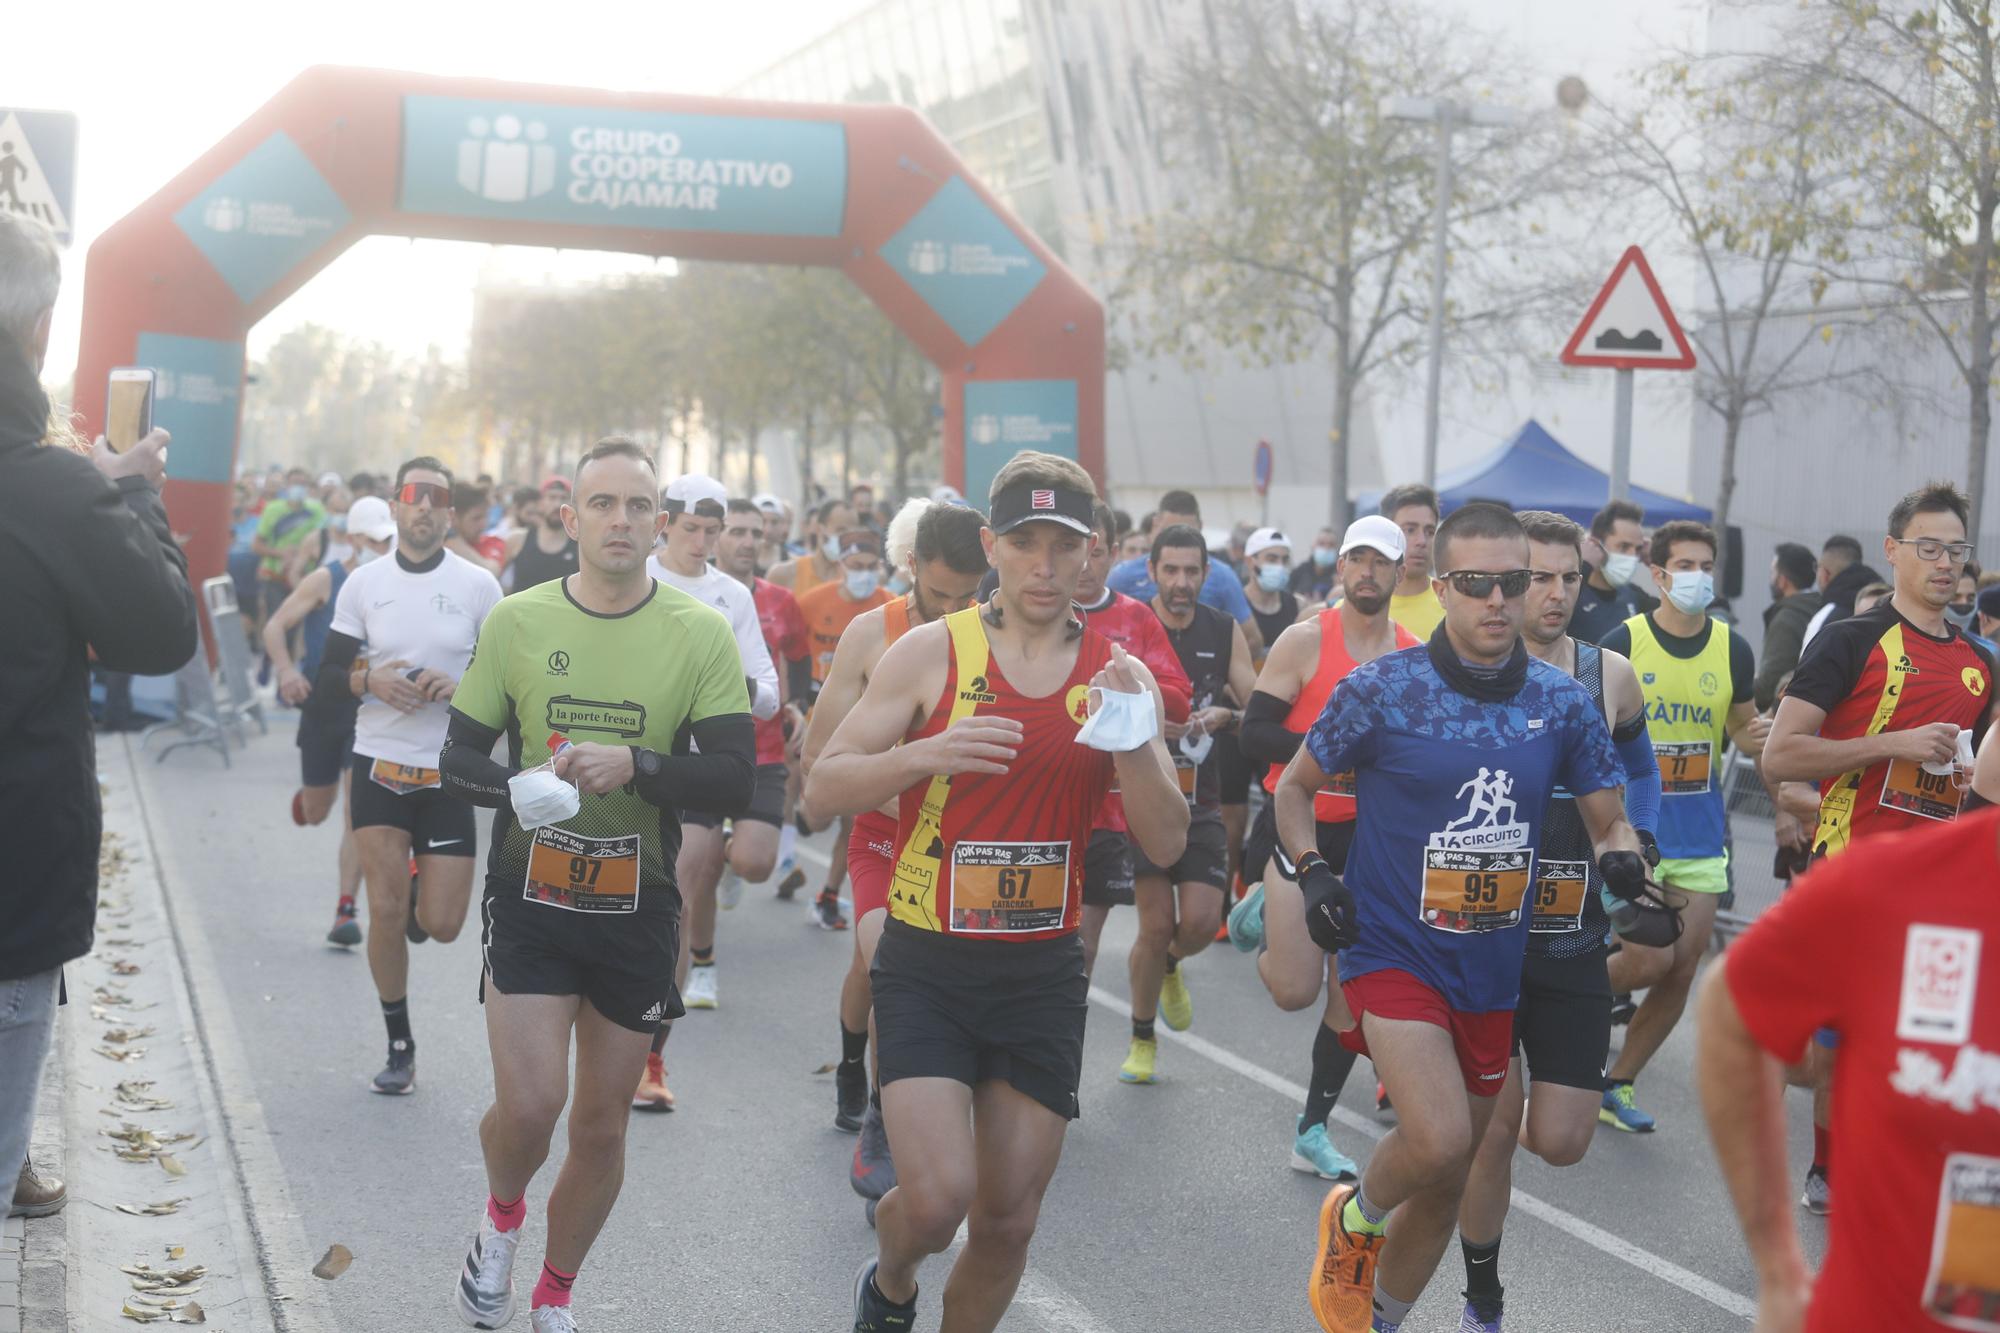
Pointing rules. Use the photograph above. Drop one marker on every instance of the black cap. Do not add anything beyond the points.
(1027, 502)
(1989, 600)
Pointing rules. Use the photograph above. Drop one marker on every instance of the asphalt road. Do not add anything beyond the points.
(1174, 1207)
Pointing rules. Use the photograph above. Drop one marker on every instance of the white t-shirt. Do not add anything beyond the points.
(1815, 625)
(735, 602)
(428, 620)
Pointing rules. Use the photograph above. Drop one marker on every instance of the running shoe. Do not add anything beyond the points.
(552, 1319)
(413, 930)
(652, 1094)
(1622, 1010)
(826, 912)
(1481, 1316)
(873, 1312)
(1818, 1198)
(486, 1285)
(793, 881)
(1620, 1112)
(346, 930)
(399, 1077)
(850, 1095)
(1139, 1061)
(730, 891)
(1176, 1005)
(1313, 1153)
(700, 993)
(874, 1171)
(1382, 1102)
(1246, 922)
(1342, 1288)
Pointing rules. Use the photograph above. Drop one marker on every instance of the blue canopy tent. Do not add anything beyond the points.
(1534, 471)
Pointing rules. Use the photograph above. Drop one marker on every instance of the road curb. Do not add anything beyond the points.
(269, 1254)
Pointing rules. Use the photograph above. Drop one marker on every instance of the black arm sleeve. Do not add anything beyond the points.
(467, 765)
(798, 680)
(720, 778)
(1263, 737)
(336, 664)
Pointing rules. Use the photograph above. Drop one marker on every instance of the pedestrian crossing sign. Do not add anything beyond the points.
(38, 167)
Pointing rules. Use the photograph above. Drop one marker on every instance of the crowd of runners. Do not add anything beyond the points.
(1456, 780)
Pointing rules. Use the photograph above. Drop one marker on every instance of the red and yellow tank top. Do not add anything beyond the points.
(985, 856)
(1334, 803)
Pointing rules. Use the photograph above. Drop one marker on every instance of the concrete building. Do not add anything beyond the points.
(1047, 102)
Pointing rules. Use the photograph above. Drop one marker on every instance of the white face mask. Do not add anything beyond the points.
(1691, 591)
(363, 554)
(1272, 578)
(1619, 569)
(862, 583)
(830, 548)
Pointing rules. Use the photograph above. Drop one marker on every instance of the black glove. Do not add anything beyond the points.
(1624, 875)
(1330, 916)
(1649, 847)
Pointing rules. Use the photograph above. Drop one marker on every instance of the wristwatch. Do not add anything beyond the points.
(645, 763)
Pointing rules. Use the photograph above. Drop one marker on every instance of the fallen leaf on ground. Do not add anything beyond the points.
(824, 1069)
(192, 1314)
(160, 1209)
(334, 1263)
(177, 1251)
(171, 1166)
(140, 1314)
(124, 967)
(129, 1053)
(124, 1036)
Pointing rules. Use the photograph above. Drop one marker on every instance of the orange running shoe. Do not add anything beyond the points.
(1342, 1290)
(652, 1094)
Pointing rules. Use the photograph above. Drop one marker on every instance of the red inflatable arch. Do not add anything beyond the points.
(344, 153)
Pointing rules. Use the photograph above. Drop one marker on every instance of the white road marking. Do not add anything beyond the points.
(1588, 1232)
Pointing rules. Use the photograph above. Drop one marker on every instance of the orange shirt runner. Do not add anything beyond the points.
(828, 611)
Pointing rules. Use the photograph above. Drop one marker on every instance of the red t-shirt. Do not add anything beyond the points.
(1135, 627)
(1888, 945)
(785, 635)
(493, 546)
(1877, 672)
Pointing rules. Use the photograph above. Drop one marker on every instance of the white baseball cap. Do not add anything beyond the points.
(370, 517)
(1376, 533)
(1263, 539)
(331, 479)
(948, 495)
(768, 503)
(685, 493)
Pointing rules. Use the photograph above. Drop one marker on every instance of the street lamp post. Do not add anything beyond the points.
(1448, 116)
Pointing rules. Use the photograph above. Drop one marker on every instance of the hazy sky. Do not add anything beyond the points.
(155, 86)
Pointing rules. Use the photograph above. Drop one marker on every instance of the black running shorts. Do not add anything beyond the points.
(439, 824)
(326, 744)
(623, 967)
(974, 1010)
(1206, 860)
(1107, 869)
(1233, 769)
(1562, 1025)
(1334, 842)
(767, 803)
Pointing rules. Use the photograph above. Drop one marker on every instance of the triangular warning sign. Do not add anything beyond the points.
(1629, 326)
(24, 186)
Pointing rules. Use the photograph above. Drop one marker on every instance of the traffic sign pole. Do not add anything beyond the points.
(1621, 438)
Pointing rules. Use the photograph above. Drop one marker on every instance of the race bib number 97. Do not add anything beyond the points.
(580, 874)
(1008, 888)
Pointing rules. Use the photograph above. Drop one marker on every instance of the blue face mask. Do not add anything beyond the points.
(1691, 591)
(1324, 556)
(862, 583)
(295, 493)
(1272, 578)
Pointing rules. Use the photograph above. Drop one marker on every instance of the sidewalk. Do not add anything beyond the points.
(137, 1117)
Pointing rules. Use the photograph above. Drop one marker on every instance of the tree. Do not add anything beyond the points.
(1304, 211)
(1921, 87)
(1750, 177)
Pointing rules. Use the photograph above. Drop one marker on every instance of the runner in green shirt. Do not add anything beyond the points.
(626, 671)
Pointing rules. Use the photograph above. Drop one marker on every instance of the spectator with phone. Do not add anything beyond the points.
(91, 564)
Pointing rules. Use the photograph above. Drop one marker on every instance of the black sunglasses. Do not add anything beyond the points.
(1476, 583)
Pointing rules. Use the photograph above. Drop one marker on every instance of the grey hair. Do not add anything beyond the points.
(30, 274)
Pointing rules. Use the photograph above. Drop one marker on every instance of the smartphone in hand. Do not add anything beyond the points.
(128, 407)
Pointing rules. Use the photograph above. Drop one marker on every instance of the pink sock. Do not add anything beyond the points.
(506, 1216)
(553, 1289)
